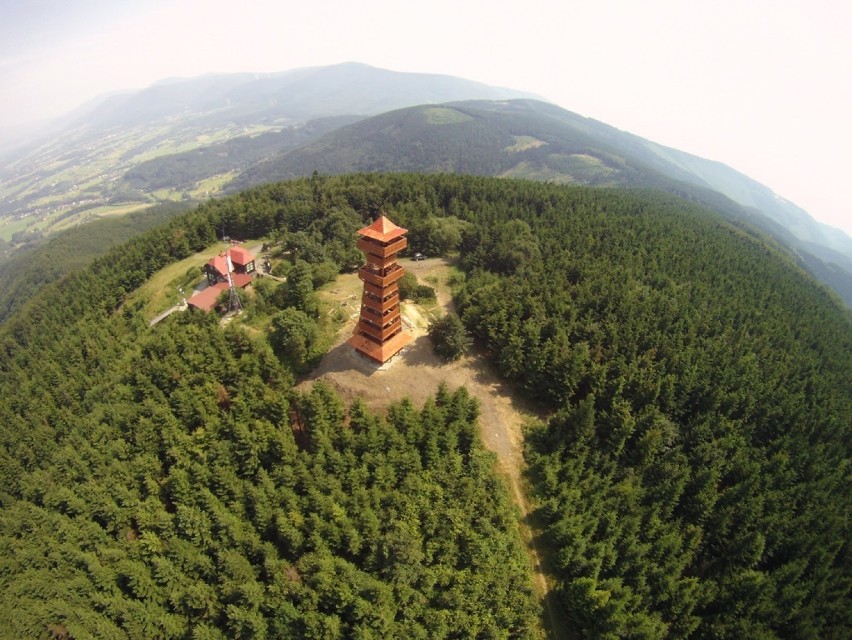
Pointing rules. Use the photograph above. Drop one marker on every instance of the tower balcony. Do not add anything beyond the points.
(378, 318)
(380, 263)
(382, 293)
(376, 333)
(381, 305)
(378, 279)
(376, 248)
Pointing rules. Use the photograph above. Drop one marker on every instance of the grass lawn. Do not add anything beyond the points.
(522, 143)
(212, 184)
(167, 194)
(160, 292)
(118, 209)
(10, 226)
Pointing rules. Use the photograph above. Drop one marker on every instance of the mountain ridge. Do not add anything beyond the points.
(532, 139)
(185, 139)
(79, 159)
(348, 88)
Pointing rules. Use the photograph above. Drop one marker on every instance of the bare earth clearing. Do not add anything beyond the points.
(416, 374)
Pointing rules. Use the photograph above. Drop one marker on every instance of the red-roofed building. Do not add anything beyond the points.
(242, 273)
(217, 268)
(242, 259)
(205, 299)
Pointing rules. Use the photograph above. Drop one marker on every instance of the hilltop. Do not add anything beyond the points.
(539, 141)
(172, 481)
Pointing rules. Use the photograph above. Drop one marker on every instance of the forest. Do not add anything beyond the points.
(539, 141)
(692, 480)
(28, 268)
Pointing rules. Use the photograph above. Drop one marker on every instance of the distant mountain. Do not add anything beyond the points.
(80, 162)
(289, 97)
(536, 140)
(185, 139)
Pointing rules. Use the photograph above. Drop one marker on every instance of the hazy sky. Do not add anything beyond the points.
(763, 86)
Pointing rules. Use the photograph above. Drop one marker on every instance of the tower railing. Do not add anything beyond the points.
(377, 248)
(380, 305)
(372, 277)
(380, 334)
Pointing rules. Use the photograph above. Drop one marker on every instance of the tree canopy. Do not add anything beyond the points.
(692, 480)
(449, 337)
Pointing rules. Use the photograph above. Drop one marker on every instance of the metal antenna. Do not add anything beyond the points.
(234, 304)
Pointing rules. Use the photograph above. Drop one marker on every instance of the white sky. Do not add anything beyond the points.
(764, 86)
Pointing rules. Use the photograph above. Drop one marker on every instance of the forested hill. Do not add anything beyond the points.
(531, 139)
(692, 482)
(191, 133)
(27, 269)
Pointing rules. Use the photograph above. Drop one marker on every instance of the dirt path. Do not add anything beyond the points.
(416, 373)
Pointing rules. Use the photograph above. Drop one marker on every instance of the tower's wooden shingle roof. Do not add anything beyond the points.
(383, 230)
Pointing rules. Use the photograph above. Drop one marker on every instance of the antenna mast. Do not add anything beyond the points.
(234, 304)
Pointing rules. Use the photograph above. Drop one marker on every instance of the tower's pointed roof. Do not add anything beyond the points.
(383, 230)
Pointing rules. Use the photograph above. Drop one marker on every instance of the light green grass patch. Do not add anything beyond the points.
(167, 194)
(160, 291)
(110, 210)
(9, 190)
(586, 159)
(522, 143)
(49, 226)
(254, 130)
(212, 185)
(11, 226)
(583, 167)
(527, 171)
(444, 115)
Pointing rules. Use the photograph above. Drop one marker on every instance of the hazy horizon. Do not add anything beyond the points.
(759, 86)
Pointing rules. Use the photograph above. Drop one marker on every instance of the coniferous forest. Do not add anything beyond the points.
(692, 479)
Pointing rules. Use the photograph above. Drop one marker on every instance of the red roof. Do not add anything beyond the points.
(240, 255)
(206, 298)
(383, 229)
(241, 280)
(220, 263)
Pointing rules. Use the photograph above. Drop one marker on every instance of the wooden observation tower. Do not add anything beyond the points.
(378, 334)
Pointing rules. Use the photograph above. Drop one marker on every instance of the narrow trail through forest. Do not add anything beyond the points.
(417, 374)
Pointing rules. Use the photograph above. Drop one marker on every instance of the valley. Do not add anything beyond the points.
(186, 140)
(50, 188)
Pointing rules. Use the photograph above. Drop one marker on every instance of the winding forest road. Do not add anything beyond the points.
(417, 373)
